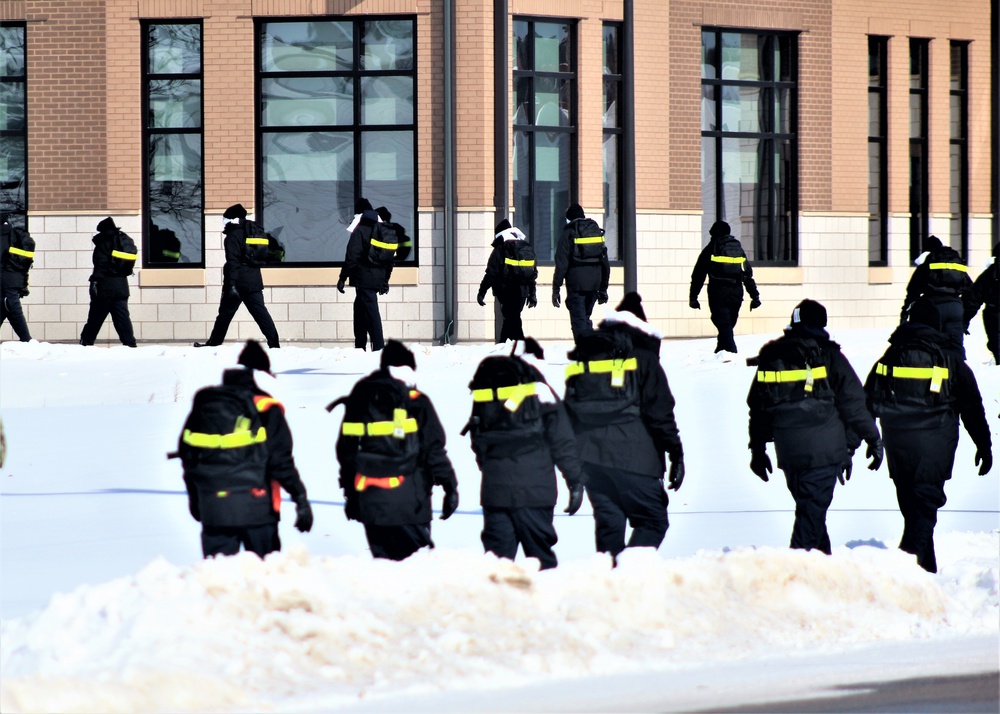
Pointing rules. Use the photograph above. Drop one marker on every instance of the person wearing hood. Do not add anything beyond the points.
(16, 256)
(391, 451)
(942, 276)
(520, 433)
(808, 400)
(728, 270)
(511, 274)
(622, 411)
(919, 390)
(582, 261)
(242, 283)
(368, 279)
(986, 294)
(109, 286)
(233, 476)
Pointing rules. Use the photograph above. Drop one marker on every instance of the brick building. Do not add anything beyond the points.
(833, 135)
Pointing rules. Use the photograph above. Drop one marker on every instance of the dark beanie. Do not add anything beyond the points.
(383, 213)
(235, 211)
(502, 226)
(931, 244)
(632, 302)
(395, 354)
(254, 357)
(361, 205)
(574, 212)
(924, 312)
(809, 313)
(107, 225)
(719, 229)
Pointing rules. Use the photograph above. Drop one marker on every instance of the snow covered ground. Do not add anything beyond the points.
(106, 604)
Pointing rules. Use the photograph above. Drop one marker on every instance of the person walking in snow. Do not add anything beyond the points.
(986, 294)
(368, 272)
(17, 252)
(807, 399)
(114, 257)
(520, 432)
(511, 274)
(391, 450)
(941, 275)
(582, 261)
(728, 270)
(234, 474)
(919, 389)
(622, 412)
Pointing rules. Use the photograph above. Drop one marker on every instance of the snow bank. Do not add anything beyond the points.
(240, 633)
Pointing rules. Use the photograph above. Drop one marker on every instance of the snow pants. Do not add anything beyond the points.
(511, 306)
(10, 309)
(812, 490)
(621, 497)
(100, 308)
(398, 542)
(219, 540)
(531, 528)
(232, 298)
(367, 320)
(919, 504)
(580, 305)
(724, 301)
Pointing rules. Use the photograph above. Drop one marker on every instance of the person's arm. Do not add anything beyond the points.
(563, 248)
(915, 287)
(352, 256)
(605, 270)
(657, 407)
(699, 273)
(749, 283)
(432, 446)
(850, 400)
(280, 462)
(970, 407)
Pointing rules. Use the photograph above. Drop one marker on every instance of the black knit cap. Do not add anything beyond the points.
(632, 302)
(574, 212)
(361, 205)
(108, 224)
(924, 312)
(932, 243)
(719, 229)
(502, 226)
(809, 313)
(395, 354)
(235, 211)
(383, 213)
(254, 357)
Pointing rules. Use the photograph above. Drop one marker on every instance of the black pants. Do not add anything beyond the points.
(10, 309)
(232, 298)
(100, 308)
(952, 313)
(531, 528)
(216, 540)
(991, 323)
(618, 497)
(919, 504)
(398, 542)
(510, 309)
(724, 303)
(581, 307)
(812, 490)
(367, 320)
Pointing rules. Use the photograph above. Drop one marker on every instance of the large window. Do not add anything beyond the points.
(612, 138)
(337, 107)
(749, 152)
(959, 147)
(13, 127)
(544, 130)
(878, 159)
(173, 191)
(919, 178)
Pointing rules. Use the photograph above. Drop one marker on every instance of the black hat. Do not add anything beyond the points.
(574, 212)
(108, 224)
(719, 229)
(253, 356)
(361, 205)
(383, 213)
(809, 313)
(924, 312)
(235, 211)
(931, 244)
(395, 354)
(632, 302)
(502, 226)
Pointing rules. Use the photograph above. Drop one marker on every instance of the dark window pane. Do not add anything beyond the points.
(552, 53)
(782, 111)
(523, 113)
(956, 125)
(956, 182)
(307, 101)
(708, 108)
(709, 183)
(785, 63)
(522, 180)
(387, 44)
(552, 102)
(741, 109)
(387, 100)
(307, 46)
(611, 87)
(612, 185)
(12, 106)
(387, 173)
(741, 56)
(917, 53)
(12, 51)
(957, 66)
(709, 55)
(12, 153)
(916, 116)
(874, 113)
(551, 191)
(176, 194)
(175, 103)
(522, 49)
(611, 50)
(174, 49)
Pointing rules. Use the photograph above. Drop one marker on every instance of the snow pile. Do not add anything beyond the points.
(241, 633)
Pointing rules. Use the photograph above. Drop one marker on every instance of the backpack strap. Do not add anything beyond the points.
(936, 375)
(616, 367)
(808, 375)
(398, 428)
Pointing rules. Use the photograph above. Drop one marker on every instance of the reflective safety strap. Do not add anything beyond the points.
(170, 254)
(616, 367)
(265, 403)
(936, 375)
(949, 266)
(124, 256)
(24, 253)
(387, 246)
(519, 263)
(235, 440)
(257, 241)
(589, 239)
(407, 243)
(511, 396)
(386, 482)
(808, 375)
(727, 259)
(399, 427)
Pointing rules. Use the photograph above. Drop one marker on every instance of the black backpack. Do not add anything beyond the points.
(727, 259)
(602, 383)
(385, 241)
(256, 243)
(123, 254)
(519, 262)
(912, 379)
(21, 253)
(506, 412)
(588, 241)
(793, 384)
(947, 270)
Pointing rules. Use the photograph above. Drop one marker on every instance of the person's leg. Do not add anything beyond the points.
(510, 307)
(812, 490)
(579, 315)
(10, 309)
(98, 312)
(122, 321)
(645, 503)
(360, 321)
(261, 539)
(229, 303)
(398, 542)
(219, 541)
(722, 318)
(609, 518)
(498, 534)
(536, 534)
(919, 504)
(372, 318)
(258, 311)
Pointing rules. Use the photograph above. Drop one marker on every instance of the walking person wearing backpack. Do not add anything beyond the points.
(236, 450)
(246, 245)
(728, 270)
(582, 261)
(114, 257)
(919, 389)
(511, 274)
(622, 411)
(520, 432)
(391, 451)
(942, 276)
(808, 400)
(17, 252)
(986, 294)
(368, 265)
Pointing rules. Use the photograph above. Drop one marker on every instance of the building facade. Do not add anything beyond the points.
(833, 136)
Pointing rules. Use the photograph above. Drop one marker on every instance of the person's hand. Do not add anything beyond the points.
(450, 504)
(340, 286)
(875, 452)
(93, 289)
(602, 297)
(985, 456)
(351, 508)
(532, 301)
(694, 304)
(481, 298)
(755, 303)
(760, 464)
(556, 298)
(676, 477)
(384, 289)
(575, 498)
(845, 475)
(303, 515)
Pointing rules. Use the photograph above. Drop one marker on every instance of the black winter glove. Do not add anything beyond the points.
(532, 300)
(760, 464)
(575, 498)
(602, 297)
(875, 452)
(985, 455)
(481, 298)
(676, 477)
(556, 297)
(303, 515)
(340, 285)
(384, 289)
(23, 292)
(694, 304)
(351, 508)
(450, 504)
(93, 289)
(845, 475)
(755, 303)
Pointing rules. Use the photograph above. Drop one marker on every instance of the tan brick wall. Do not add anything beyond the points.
(474, 100)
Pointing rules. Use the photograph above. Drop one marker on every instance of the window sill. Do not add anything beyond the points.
(171, 277)
(880, 275)
(273, 277)
(777, 276)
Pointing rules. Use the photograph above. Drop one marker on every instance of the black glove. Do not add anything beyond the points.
(755, 303)
(384, 290)
(556, 298)
(676, 477)
(845, 475)
(481, 298)
(23, 292)
(986, 456)
(875, 452)
(229, 288)
(602, 297)
(351, 508)
(694, 304)
(340, 285)
(450, 504)
(575, 498)
(93, 289)
(303, 515)
(532, 300)
(760, 464)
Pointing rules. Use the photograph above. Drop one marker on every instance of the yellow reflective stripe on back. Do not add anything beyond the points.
(575, 368)
(949, 266)
(235, 440)
(387, 246)
(353, 428)
(616, 367)
(482, 395)
(936, 375)
(25, 253)
(807, 375)
(124, 256)
(589, 239)
(519, 263)
(257, 241)
(727, 259)
(398, 428)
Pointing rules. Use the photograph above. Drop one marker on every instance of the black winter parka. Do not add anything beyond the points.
(9, 279)
(719, 286)
(579, 277)
(357, 268)
(494, 278)
(110, 285)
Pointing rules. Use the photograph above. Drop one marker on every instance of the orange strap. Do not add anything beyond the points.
(386, 482)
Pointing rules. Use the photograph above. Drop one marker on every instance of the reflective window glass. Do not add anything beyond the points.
(320, 46)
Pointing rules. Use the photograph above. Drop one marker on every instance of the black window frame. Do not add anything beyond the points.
(358, 128)
(919, 203)
(18, 212)
(617, 131)
(961, 143)
(878, 92)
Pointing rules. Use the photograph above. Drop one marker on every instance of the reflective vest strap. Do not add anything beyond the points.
(519, 263)
(386, 482)
(235, 440)
(256, 241)
(399, 427)
(387, 246)
(949, 266)
(807, 375)
(936, 375)
(727, 259)
(124, 256)
(575, 368)
(589, 239)
(23, 253)
(352, 428)
(264, 403)
(616, 367)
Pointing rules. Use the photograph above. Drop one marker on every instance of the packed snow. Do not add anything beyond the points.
(107, 605)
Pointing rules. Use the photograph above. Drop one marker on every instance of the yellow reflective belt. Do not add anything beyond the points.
(236, 440)
(512, 396)
(935, 374)
(399, 427)
(171, 254)
(124, 256)
(257, 241)
(949, 266)
(807, 375)
(727, 259)
(617, 368)
(519, 263)
(387, 246)
(589, 239)
(25, 253)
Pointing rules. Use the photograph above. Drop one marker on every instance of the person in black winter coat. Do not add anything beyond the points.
(388, 468)
(986, 294)
(368, 279)
(520, 432)
(728, 270)
(108, 290)
(231, 518)
(622, 411)
(942, 276)
(512, 293)
(13, 281)
(242, 283)
(808, 400)
(919, 389)
(582, 261)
